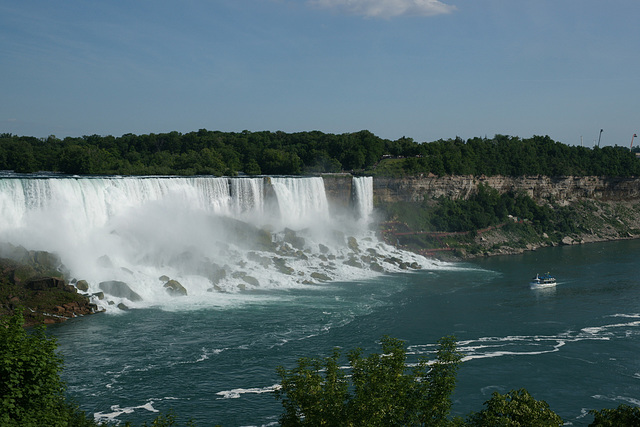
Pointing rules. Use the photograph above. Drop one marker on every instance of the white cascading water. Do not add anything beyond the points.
(363, 197)
(220, 238)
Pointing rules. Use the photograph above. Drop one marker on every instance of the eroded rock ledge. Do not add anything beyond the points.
(564, 188)
(31, 280)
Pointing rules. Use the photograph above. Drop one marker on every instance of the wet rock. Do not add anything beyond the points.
(174, 288)
(374, 266)
(282, 266)
(320, 276)
(119, 289)
(82, 285)
(353, 262)
(353, 244)
(251, 280)
(373, 252)
(123, 307)
(262, 260)
(293, 239)
(212, 271)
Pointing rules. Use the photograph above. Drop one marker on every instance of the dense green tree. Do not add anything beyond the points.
(517, 408)
(380, 391)
(623, 415)
(218, 152)
(31, 392)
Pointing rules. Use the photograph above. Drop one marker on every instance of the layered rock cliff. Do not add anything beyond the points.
(540, 188)
(603, 208)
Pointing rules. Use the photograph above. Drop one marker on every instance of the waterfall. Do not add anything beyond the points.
(215, 236)
(302, 202)
(363, 197)
(247, 195)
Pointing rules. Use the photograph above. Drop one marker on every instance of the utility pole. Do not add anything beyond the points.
(600, 136)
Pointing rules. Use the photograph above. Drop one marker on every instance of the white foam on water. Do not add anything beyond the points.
(116, 410)
(624, 399)
(531, 345)
(238, 392)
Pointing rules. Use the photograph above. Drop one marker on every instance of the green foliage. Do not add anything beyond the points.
(31, 392)
(162, 420)
(484, 209)
(517, 408)
(380, 391)
(218, 153)
(623, 415)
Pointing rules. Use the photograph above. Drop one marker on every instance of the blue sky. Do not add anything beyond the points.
(424, 69)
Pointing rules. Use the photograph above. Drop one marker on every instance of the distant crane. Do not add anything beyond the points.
(600, 136)
(631, 146)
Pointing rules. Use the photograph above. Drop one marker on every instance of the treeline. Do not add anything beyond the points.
(511, 156)
(278, 153)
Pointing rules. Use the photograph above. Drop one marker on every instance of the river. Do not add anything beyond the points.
(575, 346)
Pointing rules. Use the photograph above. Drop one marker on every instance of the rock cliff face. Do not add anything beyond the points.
(338, 189)
(413, 189)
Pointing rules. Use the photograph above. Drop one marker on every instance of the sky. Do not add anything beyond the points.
(422, 69)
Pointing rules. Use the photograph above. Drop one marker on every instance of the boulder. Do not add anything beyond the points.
(353, 262)
(251, 280)
(320, 276)
(119, 289)
(282, 266)
(374, 266)
(174, 288)
(293, 239)
(82, 285)
(353, 244)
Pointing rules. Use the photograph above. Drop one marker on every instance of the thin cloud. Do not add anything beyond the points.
(385, 8)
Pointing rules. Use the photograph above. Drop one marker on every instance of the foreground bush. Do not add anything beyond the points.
(379, 392)
(31, 392)
(623, 415)
(514, 409)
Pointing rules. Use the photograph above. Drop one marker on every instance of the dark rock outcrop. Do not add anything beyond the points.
(174, 288)
(44, 299)
(119, 289)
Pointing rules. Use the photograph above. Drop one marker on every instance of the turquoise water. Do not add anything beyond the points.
(575, 346)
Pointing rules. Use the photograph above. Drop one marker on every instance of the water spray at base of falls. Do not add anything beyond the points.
(191, 242)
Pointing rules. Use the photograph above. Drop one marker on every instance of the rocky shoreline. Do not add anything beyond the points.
(32, 280)
(602, 221)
